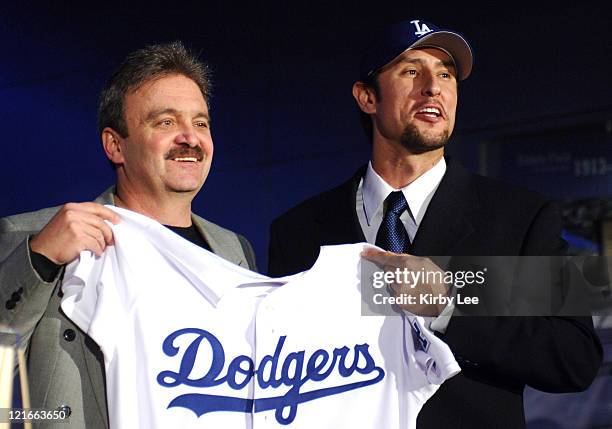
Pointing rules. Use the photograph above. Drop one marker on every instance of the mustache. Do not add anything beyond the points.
(182, 152)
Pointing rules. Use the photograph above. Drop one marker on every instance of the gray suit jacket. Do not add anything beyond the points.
(66, 367)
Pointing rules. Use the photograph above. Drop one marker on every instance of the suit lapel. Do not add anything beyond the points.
(337, 221)
(221, 243)
(94, 361)
(107, 197)
(448, 220)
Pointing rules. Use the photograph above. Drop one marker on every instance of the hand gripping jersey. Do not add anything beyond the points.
(191, 340)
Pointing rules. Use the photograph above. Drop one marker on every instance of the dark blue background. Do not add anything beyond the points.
(284, 122)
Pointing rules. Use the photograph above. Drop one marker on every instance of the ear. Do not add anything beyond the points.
(365, 97)
(111, 141)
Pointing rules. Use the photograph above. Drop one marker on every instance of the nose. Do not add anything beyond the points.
(187, 135)
(431, 86)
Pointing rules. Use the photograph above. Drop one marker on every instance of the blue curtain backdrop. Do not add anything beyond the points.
(536, 111)
(284, 121)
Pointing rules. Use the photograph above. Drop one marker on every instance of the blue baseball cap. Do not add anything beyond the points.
(394, 40)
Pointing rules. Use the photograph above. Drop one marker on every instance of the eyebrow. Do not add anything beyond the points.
(156, 113)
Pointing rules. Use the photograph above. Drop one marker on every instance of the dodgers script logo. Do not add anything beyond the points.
(241, 370)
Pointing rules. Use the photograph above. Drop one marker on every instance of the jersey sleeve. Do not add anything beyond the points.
(430, 354)
(80, 289)
(90, 299)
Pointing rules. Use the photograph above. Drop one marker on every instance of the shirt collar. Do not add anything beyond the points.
(417, 194)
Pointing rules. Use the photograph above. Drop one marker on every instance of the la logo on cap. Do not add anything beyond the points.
(421, 29)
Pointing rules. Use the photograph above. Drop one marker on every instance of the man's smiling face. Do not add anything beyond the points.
(417, 100)
(169, 146)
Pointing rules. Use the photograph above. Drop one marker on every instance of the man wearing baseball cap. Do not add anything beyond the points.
(410, 199)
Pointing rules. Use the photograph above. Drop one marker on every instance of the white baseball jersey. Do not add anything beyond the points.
(191, 340)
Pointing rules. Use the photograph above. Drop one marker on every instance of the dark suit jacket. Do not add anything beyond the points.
(468, 215)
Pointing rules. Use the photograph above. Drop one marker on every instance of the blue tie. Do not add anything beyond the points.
(392, 235)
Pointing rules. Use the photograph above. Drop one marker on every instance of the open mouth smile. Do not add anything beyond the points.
(186, 159)
(431, 111)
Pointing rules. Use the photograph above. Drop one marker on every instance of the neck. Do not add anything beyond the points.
(167, 211)
(398, 167)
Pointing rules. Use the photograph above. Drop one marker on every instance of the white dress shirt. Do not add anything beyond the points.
(373, 191)
(371, 194)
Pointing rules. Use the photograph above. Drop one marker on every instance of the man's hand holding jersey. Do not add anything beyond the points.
(391, 262)
(76, 227)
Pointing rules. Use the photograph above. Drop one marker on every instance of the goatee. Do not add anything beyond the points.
(417, 143)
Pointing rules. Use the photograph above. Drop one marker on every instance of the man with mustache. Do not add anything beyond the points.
(410, 199)
(154, 121)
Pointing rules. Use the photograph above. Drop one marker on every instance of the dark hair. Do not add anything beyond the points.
(366, 119)
(141, 66)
